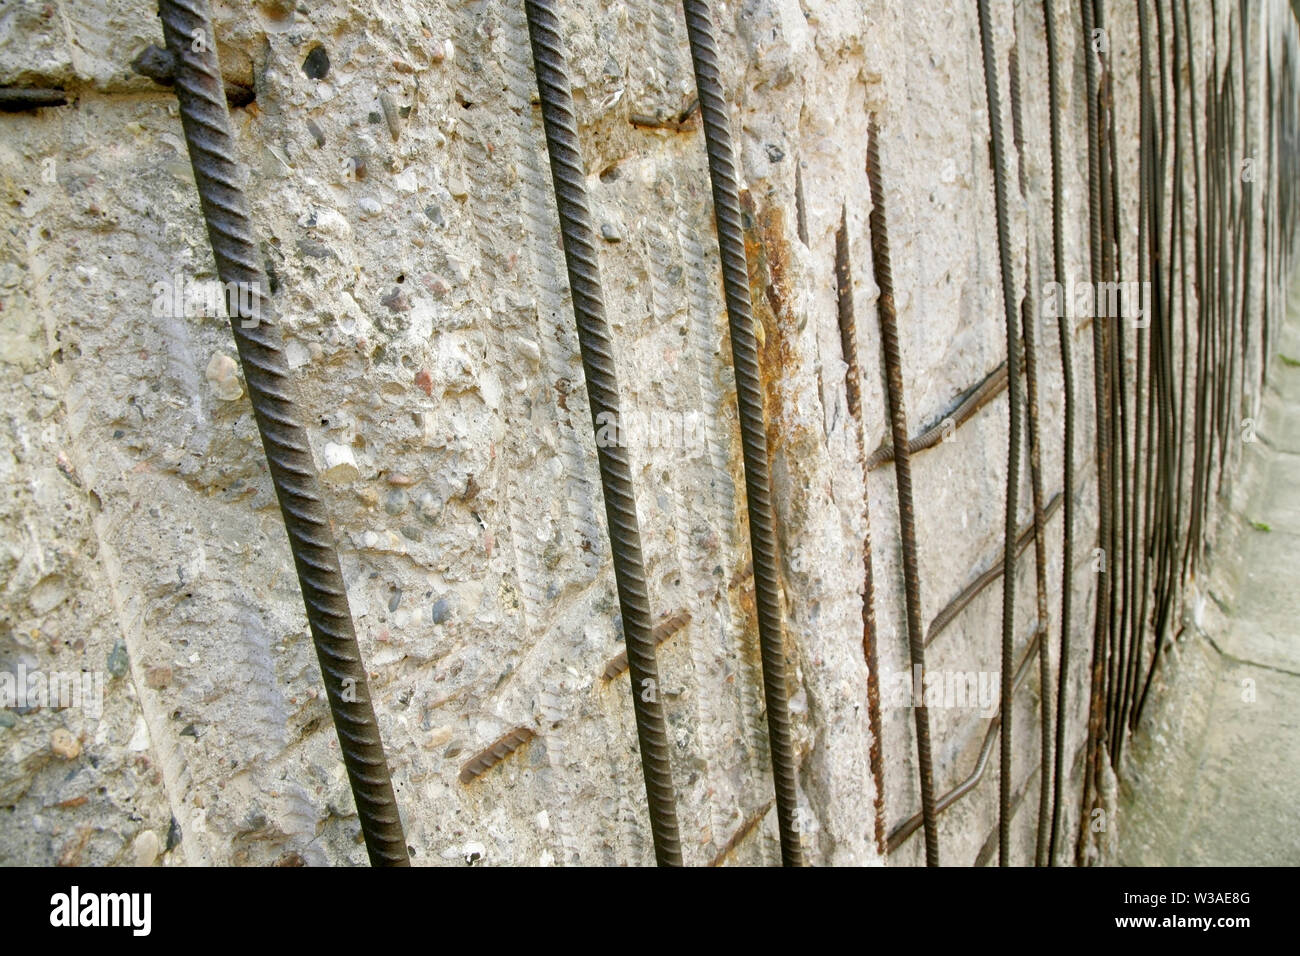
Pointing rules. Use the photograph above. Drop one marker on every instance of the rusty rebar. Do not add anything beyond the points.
(853, 396)
(578, 239)
(18, 99)
(986, 577)
(902, 477)
(206, 121)
(904, 830)
(972, 401)
(753, 432)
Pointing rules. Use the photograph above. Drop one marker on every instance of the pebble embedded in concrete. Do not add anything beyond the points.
(340, 463)
(223, 375)
(64, 744)
(145, 848)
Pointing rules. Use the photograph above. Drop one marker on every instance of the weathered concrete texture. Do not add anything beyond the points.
(1213, 779)
(399, 183)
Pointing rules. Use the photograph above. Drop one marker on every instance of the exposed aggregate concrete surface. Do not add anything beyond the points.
(401, 191)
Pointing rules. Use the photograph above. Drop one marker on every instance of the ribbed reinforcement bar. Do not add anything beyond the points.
(753, 431)
(568, 176)
(187, 27)
(893, 363)
(1067, 377)
(1013, 441)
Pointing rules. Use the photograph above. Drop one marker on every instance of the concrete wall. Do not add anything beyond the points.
(421, 287)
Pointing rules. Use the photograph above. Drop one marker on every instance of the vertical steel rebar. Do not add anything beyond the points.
(1101, 407)
(753, 431)
(1148, 274)
(1067, 374)
(1013, 439)
(568, 176)
(1117, 416)
(187, 26)
(1028, 320)
(892, 357)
